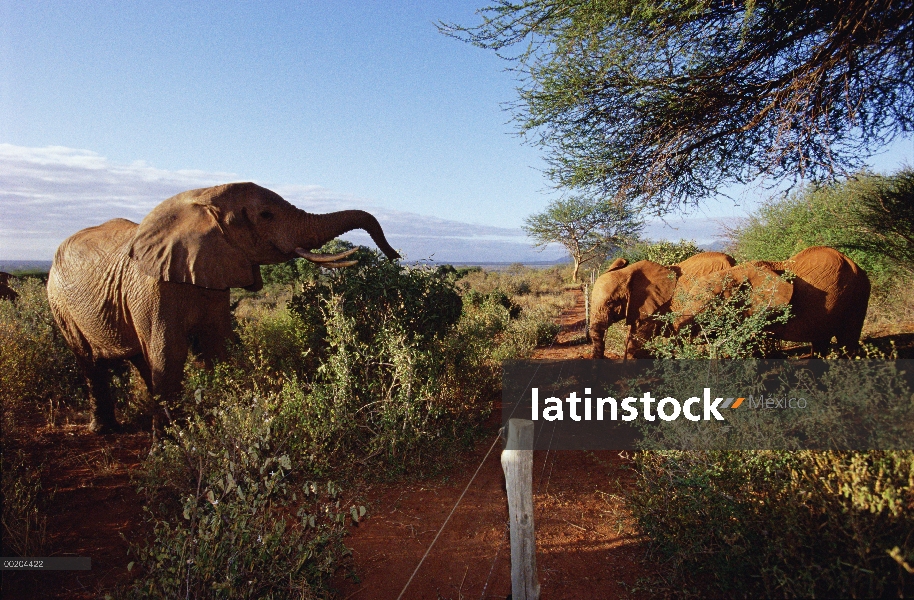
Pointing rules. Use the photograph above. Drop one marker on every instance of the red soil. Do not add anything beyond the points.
(93, 505)
(586, 542)
(586, 545)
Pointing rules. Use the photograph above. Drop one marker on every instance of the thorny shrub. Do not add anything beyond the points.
(775, 523)
(232, 516)
(726, 327)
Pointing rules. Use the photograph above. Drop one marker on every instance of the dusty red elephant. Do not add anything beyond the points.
(122, 291)
(637, 293)
(827, 292)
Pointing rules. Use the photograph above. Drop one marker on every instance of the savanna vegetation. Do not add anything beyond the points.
(247, 497)
(793, 524)
(383, 370)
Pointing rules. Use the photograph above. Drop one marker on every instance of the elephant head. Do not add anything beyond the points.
(693, 294)
(218, 237)
(632, 292)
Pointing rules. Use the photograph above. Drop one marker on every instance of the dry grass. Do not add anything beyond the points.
(517, 280)
(254, 305)
(891, 311)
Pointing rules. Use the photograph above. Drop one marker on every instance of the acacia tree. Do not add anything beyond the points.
(662, 102)
(589, 228)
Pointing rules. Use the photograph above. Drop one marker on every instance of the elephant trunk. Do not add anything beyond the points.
(316, 230)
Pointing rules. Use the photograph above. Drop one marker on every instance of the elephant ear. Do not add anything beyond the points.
(183, 241)
(650, 288)
(768, 288)
(616, 265)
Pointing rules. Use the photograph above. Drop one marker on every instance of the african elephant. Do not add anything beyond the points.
(637, 293)
(122, 291)
(828, 295)
(6, 292)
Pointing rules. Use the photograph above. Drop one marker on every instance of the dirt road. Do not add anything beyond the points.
(586, 545)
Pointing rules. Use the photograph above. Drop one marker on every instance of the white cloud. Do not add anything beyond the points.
(47, 194)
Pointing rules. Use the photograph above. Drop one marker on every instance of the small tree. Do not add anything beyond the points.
(589, 228)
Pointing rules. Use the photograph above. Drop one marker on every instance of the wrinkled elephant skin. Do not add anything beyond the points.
(138, 292)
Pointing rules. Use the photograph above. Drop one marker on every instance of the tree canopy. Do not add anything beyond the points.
(663, 102)
(589, 228)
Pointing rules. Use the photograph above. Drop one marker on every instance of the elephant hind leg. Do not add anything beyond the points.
(99, 382)
(149, 408)
(849, 336)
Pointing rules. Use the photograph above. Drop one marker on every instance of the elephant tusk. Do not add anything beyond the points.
(338, 264)
(323, 258)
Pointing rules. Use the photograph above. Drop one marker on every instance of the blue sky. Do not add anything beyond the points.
(358, 104)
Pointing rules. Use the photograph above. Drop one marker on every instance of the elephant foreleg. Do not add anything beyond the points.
(599, 344)
(165, 361)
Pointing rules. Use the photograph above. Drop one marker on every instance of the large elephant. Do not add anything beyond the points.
(827, 292)
(639, 292)
(122, 291)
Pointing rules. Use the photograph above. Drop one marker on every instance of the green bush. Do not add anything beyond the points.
(300, 269)
(867, 217)
(664, 253)
(422, 301)
(785, 524)
(236, 518)
(725, 328)
(36, 366)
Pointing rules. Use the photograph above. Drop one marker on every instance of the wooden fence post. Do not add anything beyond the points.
(518, 468)
(587, 312)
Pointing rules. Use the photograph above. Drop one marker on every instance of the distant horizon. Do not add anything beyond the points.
(48, 194)
(118, 107)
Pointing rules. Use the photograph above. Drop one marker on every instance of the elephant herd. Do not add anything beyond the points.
(123, 291)
(827, 293)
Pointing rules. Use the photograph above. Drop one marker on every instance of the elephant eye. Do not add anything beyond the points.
(266, 215)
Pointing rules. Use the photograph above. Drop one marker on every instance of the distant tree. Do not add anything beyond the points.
(663, 102)
(588, 227)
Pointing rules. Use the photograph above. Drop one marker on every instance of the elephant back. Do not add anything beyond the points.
(93, 245)
(84, 285)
